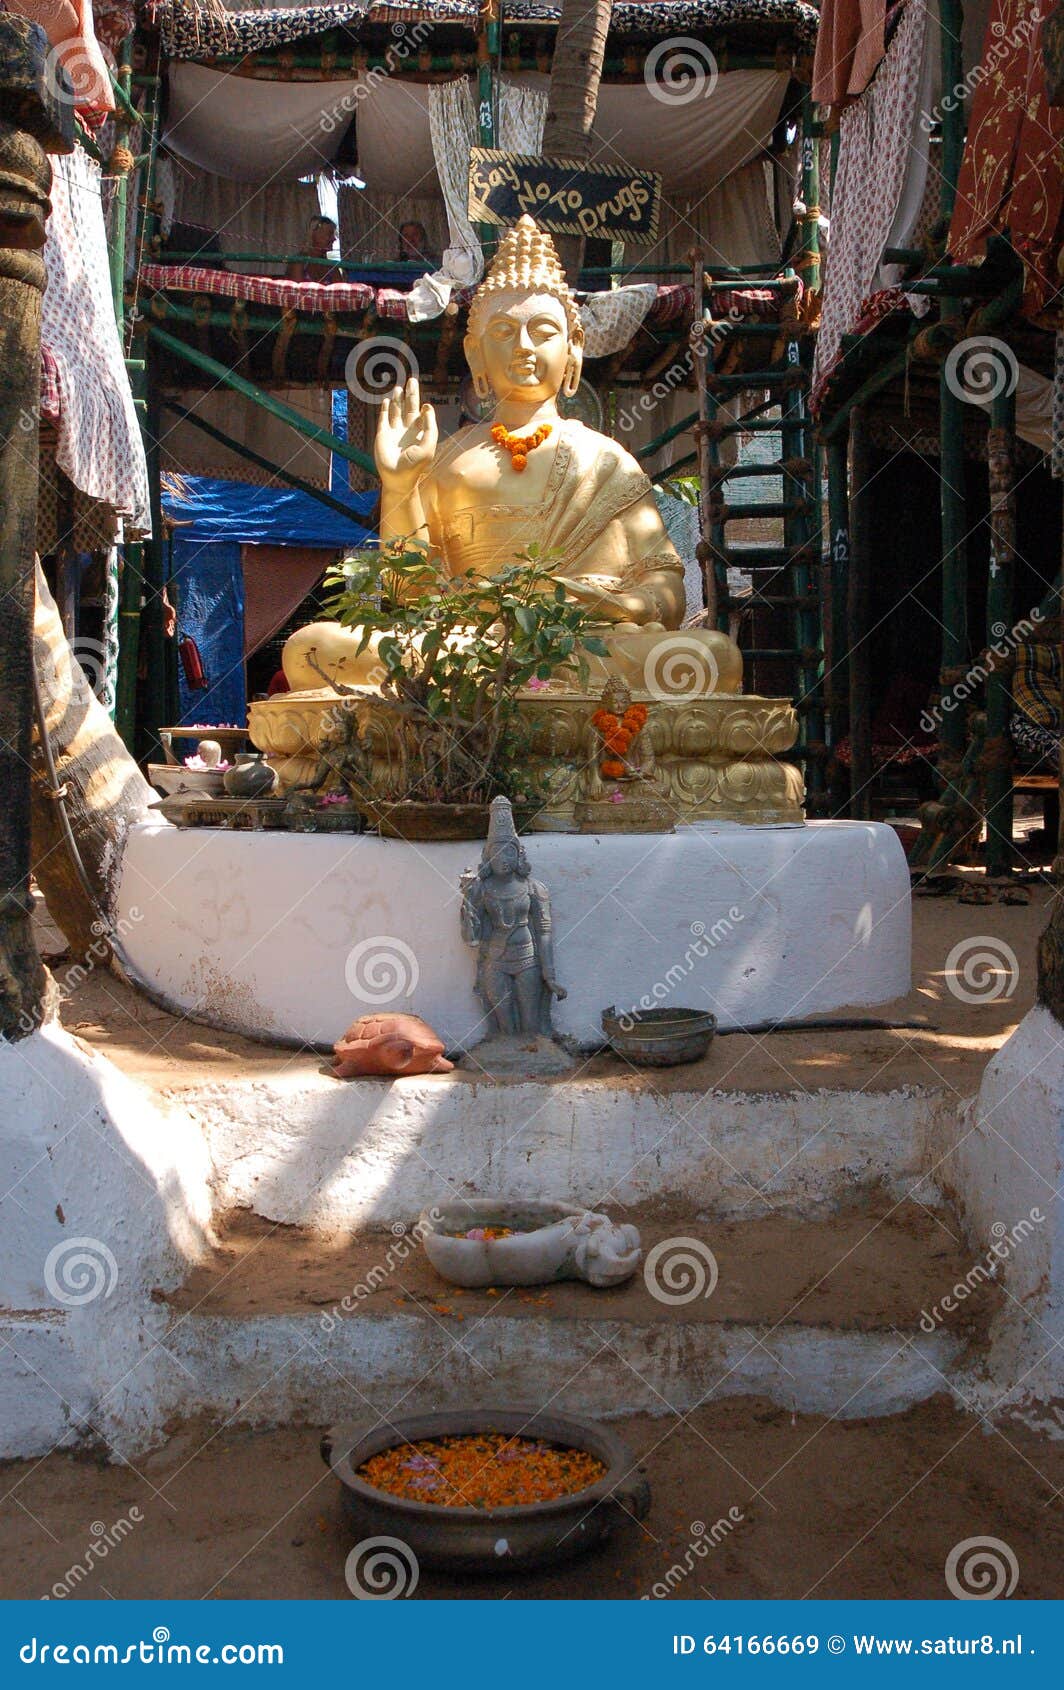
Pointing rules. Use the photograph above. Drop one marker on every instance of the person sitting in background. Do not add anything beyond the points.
(414, 246)
(319, 241)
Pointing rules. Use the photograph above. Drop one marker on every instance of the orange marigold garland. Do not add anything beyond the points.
(519, 445)
(617, 734)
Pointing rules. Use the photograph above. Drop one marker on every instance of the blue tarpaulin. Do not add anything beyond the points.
(268, 516)
(217, 518)
(210, 589)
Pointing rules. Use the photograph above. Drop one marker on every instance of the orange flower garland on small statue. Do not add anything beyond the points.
(519, 445)
(617, 734)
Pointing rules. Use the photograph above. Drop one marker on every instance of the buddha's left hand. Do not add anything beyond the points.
(554, 989)
(612, 604)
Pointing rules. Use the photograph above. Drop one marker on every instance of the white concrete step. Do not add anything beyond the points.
(302, 1149)
(833, 1316)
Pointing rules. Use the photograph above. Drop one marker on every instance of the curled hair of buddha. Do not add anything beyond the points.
(527, 259)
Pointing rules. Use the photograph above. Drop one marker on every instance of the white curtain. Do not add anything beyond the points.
(733, 223)
(247, 219)
(256, 131)
(453, 126)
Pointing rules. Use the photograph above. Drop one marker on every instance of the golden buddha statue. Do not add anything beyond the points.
(529, 476)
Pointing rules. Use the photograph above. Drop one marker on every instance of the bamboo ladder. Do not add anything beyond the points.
(785, 577)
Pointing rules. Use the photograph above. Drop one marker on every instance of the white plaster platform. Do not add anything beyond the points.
(292, 937)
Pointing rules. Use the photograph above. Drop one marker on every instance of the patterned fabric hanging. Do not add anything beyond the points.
(1011, 178)
(99, 442)
(875, 153)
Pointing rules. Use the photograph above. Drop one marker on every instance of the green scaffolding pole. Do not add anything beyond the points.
(953, 729)
(276, 407)
(131, 573)
(838, 675)
(1001, 450)
(262, 462)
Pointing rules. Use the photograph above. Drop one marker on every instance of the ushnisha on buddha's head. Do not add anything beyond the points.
(525, 340)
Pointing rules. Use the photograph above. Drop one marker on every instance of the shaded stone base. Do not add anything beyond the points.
(715, 758)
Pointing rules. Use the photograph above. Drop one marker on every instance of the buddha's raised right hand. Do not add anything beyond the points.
(407, 436)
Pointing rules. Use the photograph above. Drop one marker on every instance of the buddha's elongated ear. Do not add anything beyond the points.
(481, 385)
(573, 368)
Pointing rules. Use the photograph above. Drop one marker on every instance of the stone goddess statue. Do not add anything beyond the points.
(528, 476)
(506, 914)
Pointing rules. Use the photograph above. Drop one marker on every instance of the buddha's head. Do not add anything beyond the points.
(525, 340)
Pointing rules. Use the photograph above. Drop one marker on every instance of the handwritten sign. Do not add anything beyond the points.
(599, 201)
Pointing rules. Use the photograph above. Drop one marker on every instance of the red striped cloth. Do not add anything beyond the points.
(316, 297)
(673, 302)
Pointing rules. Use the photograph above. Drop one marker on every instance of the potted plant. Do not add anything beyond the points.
(455, 653)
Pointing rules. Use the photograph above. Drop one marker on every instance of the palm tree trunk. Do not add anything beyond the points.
(576, 70)
(26, 174)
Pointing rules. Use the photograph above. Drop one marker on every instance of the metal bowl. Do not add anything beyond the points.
(659, 1038)
(481, 1539)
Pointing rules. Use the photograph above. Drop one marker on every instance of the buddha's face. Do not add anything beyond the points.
(523, 347)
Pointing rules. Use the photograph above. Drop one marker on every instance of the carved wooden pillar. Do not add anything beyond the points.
(30, 114)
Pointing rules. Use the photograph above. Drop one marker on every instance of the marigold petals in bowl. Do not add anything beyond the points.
(485, 1536)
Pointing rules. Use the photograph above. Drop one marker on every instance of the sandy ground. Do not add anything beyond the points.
(860, 1270)
(809, 1508)
(961, 1024)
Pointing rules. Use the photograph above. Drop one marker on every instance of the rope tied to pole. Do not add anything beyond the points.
(121, 162)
